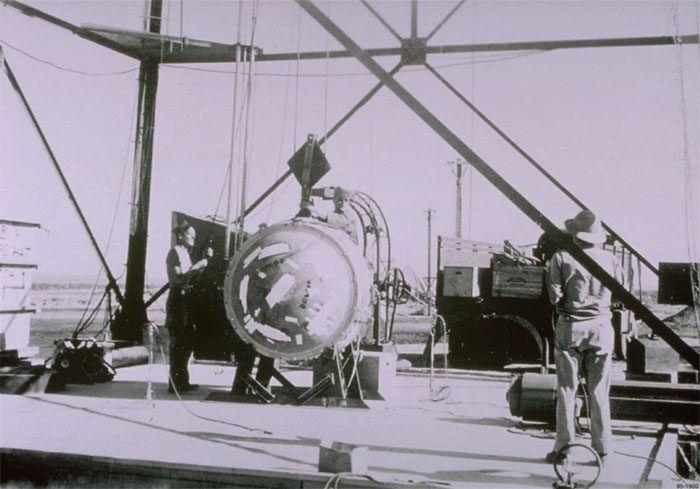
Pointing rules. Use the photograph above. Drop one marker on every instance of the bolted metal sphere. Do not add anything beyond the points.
(296, 288)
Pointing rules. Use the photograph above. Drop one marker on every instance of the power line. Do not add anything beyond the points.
(63, 68)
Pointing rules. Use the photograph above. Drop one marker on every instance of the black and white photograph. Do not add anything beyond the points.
(350, 244)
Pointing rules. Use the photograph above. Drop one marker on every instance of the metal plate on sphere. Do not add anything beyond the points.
(295, 288)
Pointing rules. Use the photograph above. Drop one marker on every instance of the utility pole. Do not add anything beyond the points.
(128, 325)
(457, 165)
(429, 213)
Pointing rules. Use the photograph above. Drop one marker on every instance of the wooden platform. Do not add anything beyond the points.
(112, 433)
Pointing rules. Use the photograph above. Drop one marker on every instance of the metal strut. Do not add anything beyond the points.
(641, 311)
(539, 167)
(71, 196)
(360, 103)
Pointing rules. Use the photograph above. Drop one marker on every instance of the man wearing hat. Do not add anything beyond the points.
(177, 309)
(584, 336)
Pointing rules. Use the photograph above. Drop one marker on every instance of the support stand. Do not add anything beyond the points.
(342, 375)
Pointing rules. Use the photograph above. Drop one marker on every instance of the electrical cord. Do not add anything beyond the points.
(584, 388)
(335, 479)
(184, 405)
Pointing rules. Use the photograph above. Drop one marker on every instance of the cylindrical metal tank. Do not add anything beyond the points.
(297, 287)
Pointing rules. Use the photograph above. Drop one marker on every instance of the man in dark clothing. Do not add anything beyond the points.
(178, 319)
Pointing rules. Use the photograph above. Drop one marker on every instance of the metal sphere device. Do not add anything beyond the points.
(298, 287)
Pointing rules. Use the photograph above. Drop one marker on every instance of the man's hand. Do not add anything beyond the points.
(200, 265)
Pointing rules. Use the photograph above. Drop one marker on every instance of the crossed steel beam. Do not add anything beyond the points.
(186, 50)
(413, 51)
(634, 304)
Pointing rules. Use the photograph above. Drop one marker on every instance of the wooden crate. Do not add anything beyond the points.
(518, 281)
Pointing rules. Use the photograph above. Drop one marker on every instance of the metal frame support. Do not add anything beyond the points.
(642, 312)
(71, 196)
(537, 166)
(128, 325)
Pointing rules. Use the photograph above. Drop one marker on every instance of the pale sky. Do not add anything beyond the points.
(612, 124)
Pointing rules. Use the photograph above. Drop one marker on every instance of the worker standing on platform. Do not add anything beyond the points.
(340, 218)
(178, 319)
(584, 336)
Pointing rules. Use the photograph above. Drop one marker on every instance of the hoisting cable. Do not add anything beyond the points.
(325, 88)
(232, 148)
(689, 208)
(285, 112)
(332, 131)
(122, 178)
(15, 84)
(288, 173)
(534, 163)
(247, 152)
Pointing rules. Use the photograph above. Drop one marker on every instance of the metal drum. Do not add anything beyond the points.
(298, 287)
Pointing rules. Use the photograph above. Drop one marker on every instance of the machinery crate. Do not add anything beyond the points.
(517, 281)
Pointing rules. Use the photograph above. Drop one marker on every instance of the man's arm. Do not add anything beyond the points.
(176, 276)
(553, 279)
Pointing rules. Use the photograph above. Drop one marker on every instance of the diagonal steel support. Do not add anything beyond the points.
(641, 311)
(381, 19)
(539, 167)
(360, 103)
(71, 196)
(414, 18)
(84, 33)
(445, 19)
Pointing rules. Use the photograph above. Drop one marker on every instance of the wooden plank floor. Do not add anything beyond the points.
(468, 440)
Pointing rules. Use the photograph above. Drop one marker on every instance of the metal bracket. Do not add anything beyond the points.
(413, 51)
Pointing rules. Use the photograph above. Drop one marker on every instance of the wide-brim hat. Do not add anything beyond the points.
(586, 227)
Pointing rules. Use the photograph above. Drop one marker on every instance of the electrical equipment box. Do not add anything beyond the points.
(460, 282)
(517, 281)
(675, 284)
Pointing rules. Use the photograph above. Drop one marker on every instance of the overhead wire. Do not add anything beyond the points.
(63, 68)
(285, 111)
(326, 79)
(248, 131)
(470, 169)
(366, 73)
(689, 182)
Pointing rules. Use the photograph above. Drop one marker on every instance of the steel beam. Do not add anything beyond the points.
(225, 53)
(381, 19)
(71, 196)
(445, 19)
(129, 324)
(495, 47)
(539, 167)
(84, 33)
(414, 18)
(641, 311)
